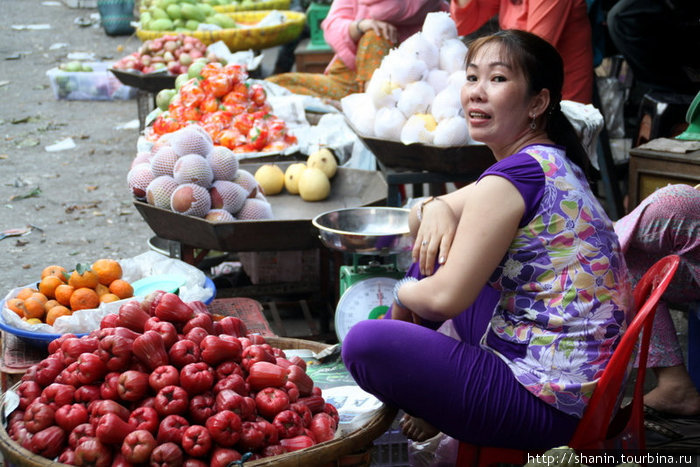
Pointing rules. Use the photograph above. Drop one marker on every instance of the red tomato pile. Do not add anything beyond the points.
(162, 383)
(233, 111)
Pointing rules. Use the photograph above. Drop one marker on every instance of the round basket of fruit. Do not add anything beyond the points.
(248, 29)
(213, 395)
(248, 5)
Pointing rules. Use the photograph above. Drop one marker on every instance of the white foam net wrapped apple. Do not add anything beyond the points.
(413, 97)
(186, 173)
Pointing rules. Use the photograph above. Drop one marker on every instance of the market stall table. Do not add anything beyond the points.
(651, 169)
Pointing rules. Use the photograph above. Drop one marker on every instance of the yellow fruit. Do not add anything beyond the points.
(271, 178)
(430, 123)
(314, 185)
(325, 160)
(291, 177)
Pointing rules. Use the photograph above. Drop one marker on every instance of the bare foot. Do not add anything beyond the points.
(675, 392)
(417, 429)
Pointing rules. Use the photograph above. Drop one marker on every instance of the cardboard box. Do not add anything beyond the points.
(268, 267)
(97, 85)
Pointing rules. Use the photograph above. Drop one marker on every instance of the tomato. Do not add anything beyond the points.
(210, 104)
(164, 124)
(192, 94)
(217, 85)
(229, 138)
(210, 69)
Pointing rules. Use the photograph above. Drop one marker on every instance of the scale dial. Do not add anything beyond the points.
(366, 299)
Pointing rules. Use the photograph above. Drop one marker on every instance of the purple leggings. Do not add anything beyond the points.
(458, 387)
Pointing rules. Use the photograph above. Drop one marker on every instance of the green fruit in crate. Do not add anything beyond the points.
(161, 24)
(164, 97)
(207, 9)
(190, 11)
(71, 66)
(145, 19)
(225, 21)
(179, 23)
(174, 11)
(196, 68)
(192, 25)
(159, 13)
(180, 80)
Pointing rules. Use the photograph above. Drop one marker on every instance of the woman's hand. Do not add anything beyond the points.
(381, 28)
(403, 314)
(434, 236)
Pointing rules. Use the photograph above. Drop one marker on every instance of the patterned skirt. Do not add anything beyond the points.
(666, 222)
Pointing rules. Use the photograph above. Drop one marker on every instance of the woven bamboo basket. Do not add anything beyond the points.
(353, 450)
(244, 38)
(254, 6)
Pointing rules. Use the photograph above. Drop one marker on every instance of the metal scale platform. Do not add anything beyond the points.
(366, 290)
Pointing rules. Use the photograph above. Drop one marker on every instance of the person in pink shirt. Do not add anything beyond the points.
(563, 23)
(361, 32)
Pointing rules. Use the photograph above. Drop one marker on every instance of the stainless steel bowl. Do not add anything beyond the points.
(365, 230)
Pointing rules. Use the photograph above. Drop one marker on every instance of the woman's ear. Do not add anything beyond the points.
(540, 103)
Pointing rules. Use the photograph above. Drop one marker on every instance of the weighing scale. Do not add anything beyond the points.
(692, 133)
(366, 291)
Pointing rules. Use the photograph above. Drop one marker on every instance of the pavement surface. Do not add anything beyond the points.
(75, 203)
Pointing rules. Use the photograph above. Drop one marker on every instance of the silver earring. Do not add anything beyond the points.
(533, 124)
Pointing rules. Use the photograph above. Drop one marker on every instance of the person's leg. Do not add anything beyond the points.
(371, 50)
(670, 224)
(336, 83)
(458, 387)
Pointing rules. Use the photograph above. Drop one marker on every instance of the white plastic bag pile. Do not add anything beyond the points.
(413, 96)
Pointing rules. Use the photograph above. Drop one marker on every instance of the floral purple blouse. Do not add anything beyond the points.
(564, 289)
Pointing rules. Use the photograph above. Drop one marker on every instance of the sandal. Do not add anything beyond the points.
(672, 433)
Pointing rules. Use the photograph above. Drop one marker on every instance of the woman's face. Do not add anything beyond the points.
(495, 100)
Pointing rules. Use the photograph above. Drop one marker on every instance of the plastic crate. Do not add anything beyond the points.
(316, 13)
(391, 448)
(268, 267)
(96, 85)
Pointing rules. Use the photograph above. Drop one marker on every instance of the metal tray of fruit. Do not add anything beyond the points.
(151, 82)
(469, 160)
(291, 229)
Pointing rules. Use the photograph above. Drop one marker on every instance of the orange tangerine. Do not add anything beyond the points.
(121, 288)
(101, 289)
(34, 308)
(50, 304)
(16, 305)
(84, 298)
(26, 292)
(54, 270)
(63, 293)
(48, 285)
(39, 297)
(107, 270)
(109, 298)
(56, 312)
(84, 279)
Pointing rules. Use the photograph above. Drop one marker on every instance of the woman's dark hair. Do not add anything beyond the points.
(543, 68)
